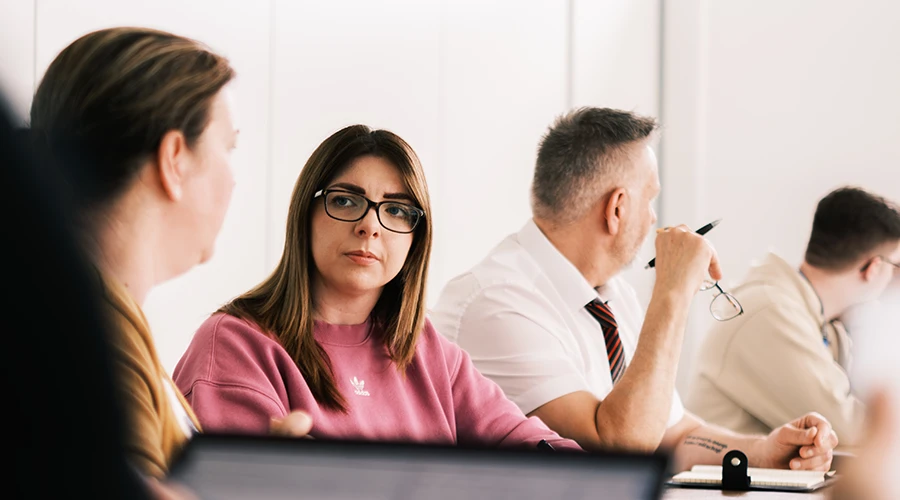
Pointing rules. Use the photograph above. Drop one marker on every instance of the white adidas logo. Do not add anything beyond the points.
(359, 387)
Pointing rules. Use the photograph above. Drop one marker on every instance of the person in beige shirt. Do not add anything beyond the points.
(789, 353)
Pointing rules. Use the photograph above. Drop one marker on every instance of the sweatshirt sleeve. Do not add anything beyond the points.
(230, 376)
(484, 415)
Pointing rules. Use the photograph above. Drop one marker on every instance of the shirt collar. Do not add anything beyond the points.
(568, 281)
(821, 304)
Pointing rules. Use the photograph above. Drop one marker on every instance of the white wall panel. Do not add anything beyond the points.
(615, 54)
(616, 64)
(799, 103)
(504, 79)
(346, 62)
(768, 106)
(17, 55)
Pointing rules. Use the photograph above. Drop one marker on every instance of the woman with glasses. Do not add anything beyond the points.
(339, 330)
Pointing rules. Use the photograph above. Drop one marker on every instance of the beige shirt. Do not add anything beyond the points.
(777, 361)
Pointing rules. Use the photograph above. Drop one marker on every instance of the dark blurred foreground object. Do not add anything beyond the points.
(62, 419)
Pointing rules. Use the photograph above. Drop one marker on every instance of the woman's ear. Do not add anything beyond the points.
(171, 160)
(614, 210)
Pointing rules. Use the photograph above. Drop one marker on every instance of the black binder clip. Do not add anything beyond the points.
(734, 471)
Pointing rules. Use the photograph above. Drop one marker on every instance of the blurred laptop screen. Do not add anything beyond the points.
(232, 467)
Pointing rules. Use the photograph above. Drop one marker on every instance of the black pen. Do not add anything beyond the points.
(544, 445)
(703, 230)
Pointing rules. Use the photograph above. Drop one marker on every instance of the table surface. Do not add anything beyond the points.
(701, 494)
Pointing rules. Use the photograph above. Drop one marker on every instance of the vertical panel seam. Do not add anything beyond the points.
(34, 52)
(270, 139)
(660, 103)
(570, 54)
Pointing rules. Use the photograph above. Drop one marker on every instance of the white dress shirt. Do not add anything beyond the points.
(520, 313)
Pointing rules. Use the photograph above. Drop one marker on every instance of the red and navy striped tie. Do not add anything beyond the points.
(614, 351)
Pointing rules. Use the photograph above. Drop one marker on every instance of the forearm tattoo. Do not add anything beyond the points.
(709, 444)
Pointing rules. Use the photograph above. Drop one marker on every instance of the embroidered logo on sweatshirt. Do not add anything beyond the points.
(359, 387)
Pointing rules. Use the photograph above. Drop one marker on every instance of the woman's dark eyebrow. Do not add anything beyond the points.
(397, 196)
(353, 188)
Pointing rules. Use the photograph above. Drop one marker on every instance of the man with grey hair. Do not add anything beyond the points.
(546, 316)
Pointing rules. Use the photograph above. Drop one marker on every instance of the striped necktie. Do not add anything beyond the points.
(614, 351)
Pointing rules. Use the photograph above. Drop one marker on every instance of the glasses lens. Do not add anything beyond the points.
(345, 206)
(398, 217)
(724, 307)
(707, 285)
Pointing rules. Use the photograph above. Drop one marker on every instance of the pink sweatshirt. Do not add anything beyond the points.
(237, 378)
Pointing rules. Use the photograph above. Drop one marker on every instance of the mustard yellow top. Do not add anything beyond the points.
(153, 433)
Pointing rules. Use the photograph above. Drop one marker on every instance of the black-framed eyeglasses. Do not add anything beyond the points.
(347, 206)
(883, 259)
(724, 306)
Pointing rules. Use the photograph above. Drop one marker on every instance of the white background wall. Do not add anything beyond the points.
(17, 53)
(766, 106)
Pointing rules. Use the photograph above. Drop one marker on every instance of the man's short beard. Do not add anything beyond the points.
(631, 253)
(629, 256)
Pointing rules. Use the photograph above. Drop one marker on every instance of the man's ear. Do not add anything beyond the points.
(870, 268)
(171, 160)
(614, 210)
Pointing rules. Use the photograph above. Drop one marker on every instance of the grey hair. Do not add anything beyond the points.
(580, 151)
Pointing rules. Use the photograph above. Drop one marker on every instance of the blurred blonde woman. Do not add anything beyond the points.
(138, 122)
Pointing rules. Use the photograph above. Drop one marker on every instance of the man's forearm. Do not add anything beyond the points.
(634, 415)
(707, 444)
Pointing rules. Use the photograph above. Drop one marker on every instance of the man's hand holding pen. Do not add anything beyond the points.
(683, 260)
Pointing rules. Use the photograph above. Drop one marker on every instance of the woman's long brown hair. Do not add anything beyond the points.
(282, 304)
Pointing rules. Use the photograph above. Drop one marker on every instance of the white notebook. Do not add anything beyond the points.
(762, 478)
